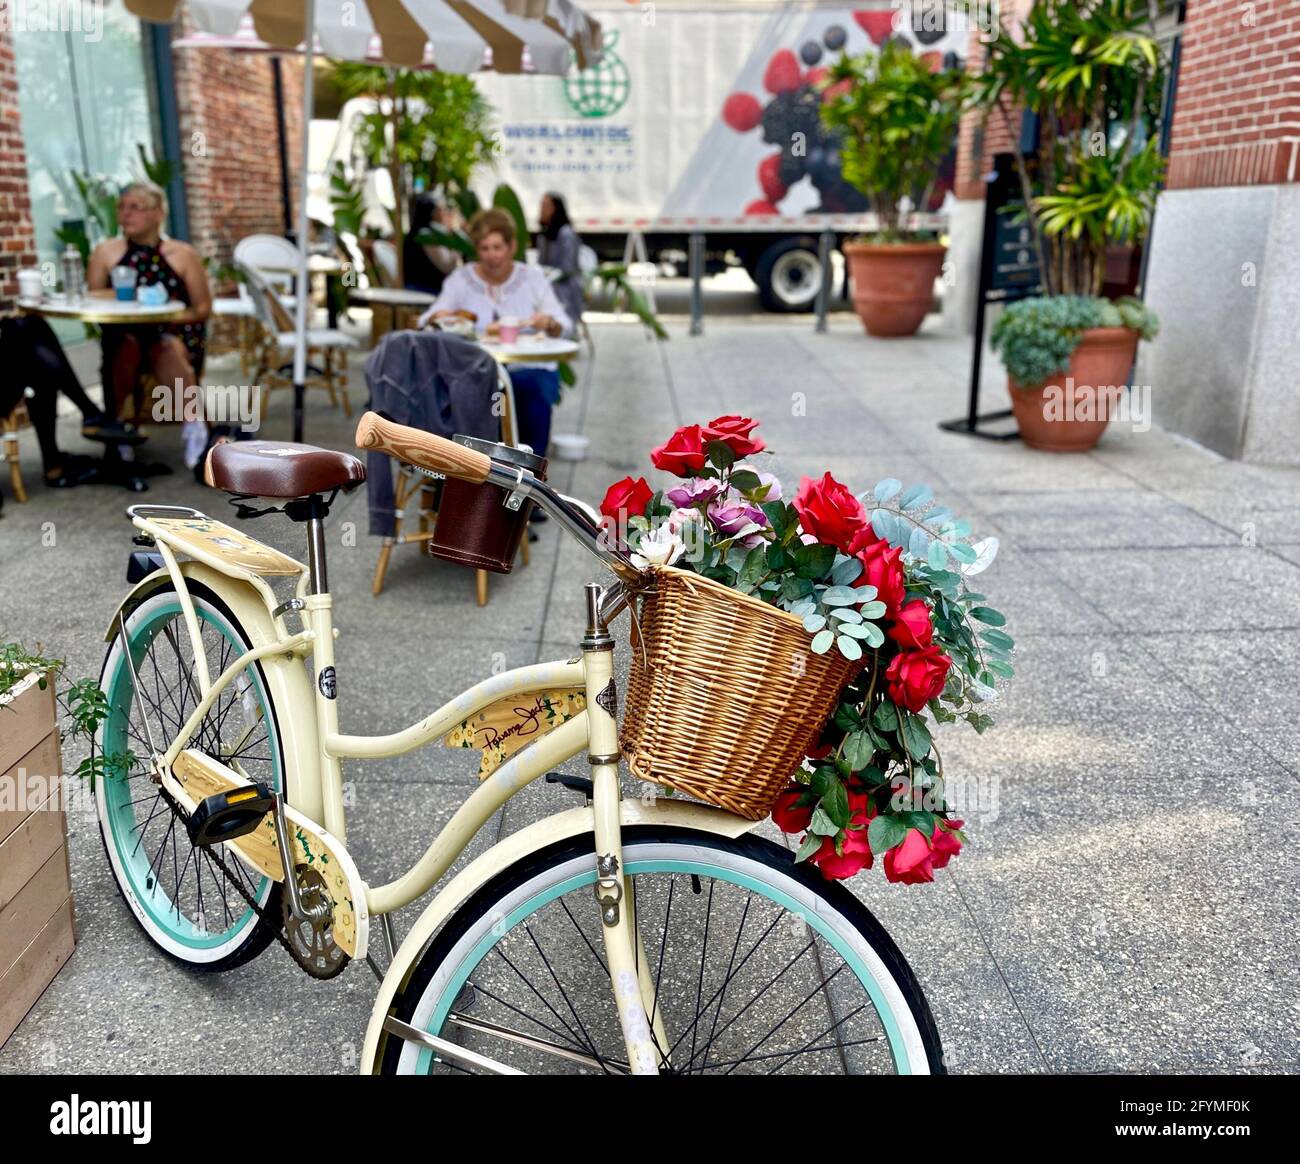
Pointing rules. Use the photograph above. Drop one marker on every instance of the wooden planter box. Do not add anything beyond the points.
(36, 920)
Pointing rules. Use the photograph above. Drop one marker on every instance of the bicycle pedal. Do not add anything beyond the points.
(225, 816)
(574, 783)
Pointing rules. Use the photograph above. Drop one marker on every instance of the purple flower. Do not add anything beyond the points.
(735, 517)
(694, 491)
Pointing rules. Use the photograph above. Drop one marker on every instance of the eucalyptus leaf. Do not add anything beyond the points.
(873, 609)
(919, 543)
(886, 489)
(814, 622)
(822, 642)
(985, 551)
(849, 647)
(846, 614)
(875, 636)
(856, 630)
(915, 497)
(841, 596)
(846, 570)
(937, 558)
(962, 552)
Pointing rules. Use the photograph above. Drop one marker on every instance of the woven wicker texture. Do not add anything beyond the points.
(727, 697)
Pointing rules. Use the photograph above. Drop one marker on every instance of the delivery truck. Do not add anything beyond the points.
(703, 118)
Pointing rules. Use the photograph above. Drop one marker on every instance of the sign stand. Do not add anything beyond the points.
(1008, 271)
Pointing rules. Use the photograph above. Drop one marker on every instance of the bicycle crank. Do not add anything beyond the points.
(311, 933)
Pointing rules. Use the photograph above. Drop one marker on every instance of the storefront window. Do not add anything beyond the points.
(87, 100)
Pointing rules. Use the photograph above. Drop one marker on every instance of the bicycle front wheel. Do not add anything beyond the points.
(757, 965)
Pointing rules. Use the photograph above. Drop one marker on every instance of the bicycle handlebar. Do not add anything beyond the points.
(436, 454)
(417, 447)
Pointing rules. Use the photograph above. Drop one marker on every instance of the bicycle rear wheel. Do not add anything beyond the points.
(760, 967)
(192, 903)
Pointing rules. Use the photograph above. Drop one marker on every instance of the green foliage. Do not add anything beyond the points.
(439, 122)
(505, 198)
(611, 279)
(897, 120)
(347, 200)
(1093, 72)
(84, 704)
(1037, 337)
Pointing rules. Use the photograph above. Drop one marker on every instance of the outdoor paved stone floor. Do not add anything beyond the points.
(1128, 899)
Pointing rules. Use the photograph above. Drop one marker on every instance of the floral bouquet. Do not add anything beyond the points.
(882, 578)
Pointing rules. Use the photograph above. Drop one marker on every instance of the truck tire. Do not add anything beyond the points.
(788, 275)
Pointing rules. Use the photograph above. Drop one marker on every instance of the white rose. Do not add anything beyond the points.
(660, 547)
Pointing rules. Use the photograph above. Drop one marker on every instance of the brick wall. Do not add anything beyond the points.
(978, 141)
(17, 242)
(229, 145)
(1237, 112)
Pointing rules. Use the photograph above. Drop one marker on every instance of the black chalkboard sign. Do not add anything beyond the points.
(1008, 271)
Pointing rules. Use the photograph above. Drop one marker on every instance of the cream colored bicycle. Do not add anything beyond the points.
(619, 935)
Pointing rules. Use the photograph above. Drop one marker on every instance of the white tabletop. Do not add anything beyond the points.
(392, 296)
(316, 265)
(104, 309)
(532, 350)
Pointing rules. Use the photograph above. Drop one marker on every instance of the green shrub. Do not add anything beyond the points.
(1037, 337)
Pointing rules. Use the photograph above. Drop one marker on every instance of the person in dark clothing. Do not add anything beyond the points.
(33, 359)
(558, 246)
(424, 265)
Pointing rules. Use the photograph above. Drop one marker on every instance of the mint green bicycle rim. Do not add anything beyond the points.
(893, 1033)
(133, 861)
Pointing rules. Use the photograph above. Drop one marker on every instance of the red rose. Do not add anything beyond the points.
(682, 453)
(830, 512)
(912, 628)
(787, 814)
(856, 852)
(882, 568)
(915, 677)
(734, 432)
(944, 844)
(626, 498)
(915, 859)
(910, 861)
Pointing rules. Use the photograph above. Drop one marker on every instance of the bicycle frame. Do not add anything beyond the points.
(314, 747)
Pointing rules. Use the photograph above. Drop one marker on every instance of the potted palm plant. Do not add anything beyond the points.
(896, 118)
(1090, 71)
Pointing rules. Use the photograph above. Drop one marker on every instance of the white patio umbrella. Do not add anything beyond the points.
(456, 35)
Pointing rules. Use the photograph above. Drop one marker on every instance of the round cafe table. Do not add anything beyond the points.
(105, 308)
(538, 349)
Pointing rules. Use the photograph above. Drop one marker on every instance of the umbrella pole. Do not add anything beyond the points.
(300, 314)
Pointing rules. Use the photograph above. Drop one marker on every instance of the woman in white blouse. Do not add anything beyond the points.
(495, 288)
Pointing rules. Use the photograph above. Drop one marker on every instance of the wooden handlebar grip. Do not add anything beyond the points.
(422, 448)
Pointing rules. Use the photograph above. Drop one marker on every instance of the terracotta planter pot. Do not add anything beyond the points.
(1069, 412)
(893, 284)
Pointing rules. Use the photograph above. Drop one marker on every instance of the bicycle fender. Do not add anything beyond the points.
(288, 684)
(560, 827)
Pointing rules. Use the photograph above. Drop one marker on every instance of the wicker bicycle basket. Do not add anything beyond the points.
(725, 696)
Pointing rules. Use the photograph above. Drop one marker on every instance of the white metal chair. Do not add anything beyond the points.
(386, 262)
(323, 343)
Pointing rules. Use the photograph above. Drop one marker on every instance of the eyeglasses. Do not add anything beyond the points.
(142, 207)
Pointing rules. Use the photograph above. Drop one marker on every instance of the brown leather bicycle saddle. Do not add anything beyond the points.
(280, 469)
